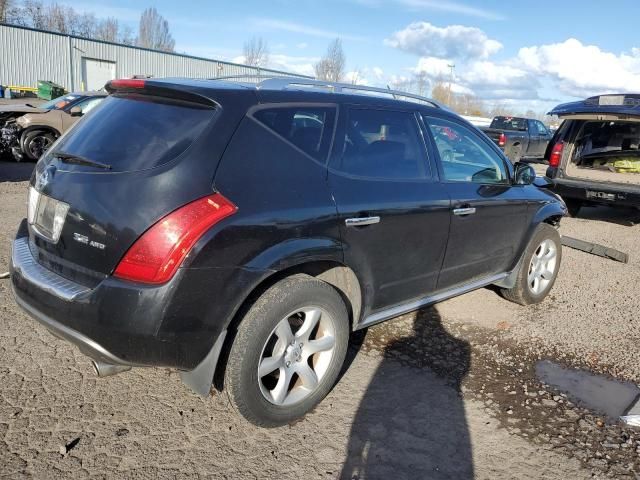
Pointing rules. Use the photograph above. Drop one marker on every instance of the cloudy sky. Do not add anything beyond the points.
(526, 54)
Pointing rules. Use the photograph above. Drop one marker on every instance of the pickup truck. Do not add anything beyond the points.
(519, 138)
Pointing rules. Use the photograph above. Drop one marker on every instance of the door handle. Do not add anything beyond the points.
(361, 221)
(464, 211)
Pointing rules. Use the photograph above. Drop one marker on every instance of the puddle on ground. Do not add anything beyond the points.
(606, 396)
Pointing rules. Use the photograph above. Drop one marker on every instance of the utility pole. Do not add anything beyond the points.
(451, 67)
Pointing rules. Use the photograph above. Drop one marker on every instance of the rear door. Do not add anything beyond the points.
(394, 217)
(489, 216)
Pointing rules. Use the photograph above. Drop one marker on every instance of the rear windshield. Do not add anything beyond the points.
(135, 132)
(509, 123)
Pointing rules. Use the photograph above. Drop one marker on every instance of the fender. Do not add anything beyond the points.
(297, 251)
(546, 211)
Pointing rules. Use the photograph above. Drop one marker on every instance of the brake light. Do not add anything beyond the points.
(502, 141)
(127, 83)
(157, 254)
(556, 154)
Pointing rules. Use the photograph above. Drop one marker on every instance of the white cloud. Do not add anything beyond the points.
(433, 67)
(451, 42)
(282, 25)
(582, 70)
(452, 7)
(356, 77)
(438, 6)
(302, 45)
(378, 73)
(293, 64)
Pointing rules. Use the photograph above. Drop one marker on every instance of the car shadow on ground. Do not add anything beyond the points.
(627, 217)
(15, 171)
(411, 421)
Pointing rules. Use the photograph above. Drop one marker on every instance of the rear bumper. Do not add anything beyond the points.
(596, 192)
(173, 325)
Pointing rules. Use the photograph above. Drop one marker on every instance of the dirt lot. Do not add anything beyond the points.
(449, 392)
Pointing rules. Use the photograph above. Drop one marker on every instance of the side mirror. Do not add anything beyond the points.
(75, 112)
(524, 174)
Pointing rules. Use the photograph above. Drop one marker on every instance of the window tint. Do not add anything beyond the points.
(463, 154)
(382, 144)
(542, 130)
(136, 132)
(509, 123)
(87, 105)
(308, 128)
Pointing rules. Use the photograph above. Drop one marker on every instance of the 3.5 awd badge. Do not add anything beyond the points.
(85, 241)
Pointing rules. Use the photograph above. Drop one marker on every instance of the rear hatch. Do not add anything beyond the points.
(147, 149)
(604, 142)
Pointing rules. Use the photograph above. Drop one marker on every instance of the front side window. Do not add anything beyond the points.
(464, 156)
(87, 105)
(382, 144)
(542, 130)
(308, 128)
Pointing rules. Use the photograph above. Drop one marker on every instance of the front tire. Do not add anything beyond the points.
(539, 268)
(36, 143)
(288, 351)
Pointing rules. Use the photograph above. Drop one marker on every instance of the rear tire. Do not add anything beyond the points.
(36, 143)
(288, 351)
(539, 268)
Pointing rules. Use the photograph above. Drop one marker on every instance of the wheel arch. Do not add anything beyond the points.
(341, 277)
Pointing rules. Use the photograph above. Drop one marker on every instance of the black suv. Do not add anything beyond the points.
(239, 232)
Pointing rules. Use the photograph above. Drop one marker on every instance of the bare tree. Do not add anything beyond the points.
(440, 93)
(64, 19)
(108, 30)
(5, 7)
(154, 32)
(331, 66)
(256, 52)
(421, 82)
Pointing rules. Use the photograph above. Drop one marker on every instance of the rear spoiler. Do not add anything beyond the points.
(160, 89)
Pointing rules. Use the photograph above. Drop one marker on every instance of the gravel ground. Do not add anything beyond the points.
(449, 392)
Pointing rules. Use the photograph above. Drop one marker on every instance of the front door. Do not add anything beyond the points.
(488, 214)
(394, 217)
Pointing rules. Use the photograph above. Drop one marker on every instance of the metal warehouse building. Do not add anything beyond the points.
(28, 55)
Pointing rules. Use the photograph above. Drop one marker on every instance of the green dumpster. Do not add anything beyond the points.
(49, 90)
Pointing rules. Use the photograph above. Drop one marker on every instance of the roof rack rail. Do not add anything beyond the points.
(254, 77)
(283, 83)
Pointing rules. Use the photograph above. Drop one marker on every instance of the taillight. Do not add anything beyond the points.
(556, 154)
(502, 141)
(127, 83)
(157, 254)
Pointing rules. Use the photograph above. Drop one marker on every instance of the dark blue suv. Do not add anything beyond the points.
(239, 232)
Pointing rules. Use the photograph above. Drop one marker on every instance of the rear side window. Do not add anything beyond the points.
(136, 132)
(308, 128)
(382, 144)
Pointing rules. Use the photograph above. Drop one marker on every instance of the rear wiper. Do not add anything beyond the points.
(79, 160)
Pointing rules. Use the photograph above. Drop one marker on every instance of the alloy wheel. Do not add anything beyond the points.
(542, 267)
(296, 356)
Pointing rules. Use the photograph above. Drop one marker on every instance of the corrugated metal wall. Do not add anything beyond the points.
(27, 56)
